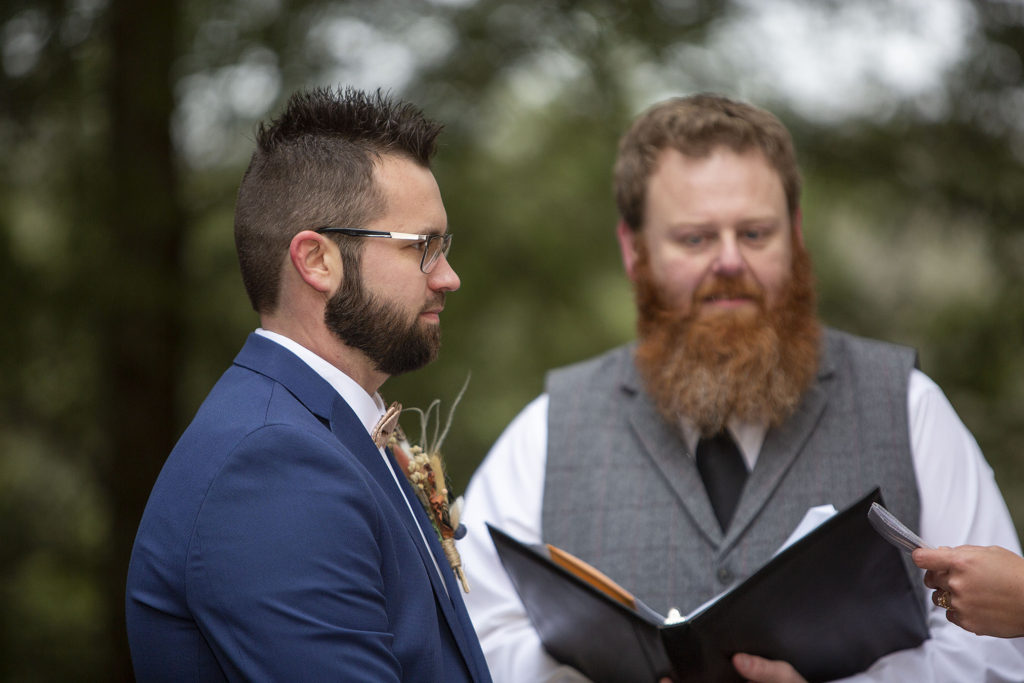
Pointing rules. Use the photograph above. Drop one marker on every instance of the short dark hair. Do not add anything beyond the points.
(313, 167)
(694, 126)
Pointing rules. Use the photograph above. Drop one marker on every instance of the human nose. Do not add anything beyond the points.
(729, 259)
(442, 277)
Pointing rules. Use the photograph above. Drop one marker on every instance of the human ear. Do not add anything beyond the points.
(315, 259)
(627, 245)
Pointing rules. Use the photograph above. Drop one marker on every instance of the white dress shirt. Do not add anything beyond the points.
(960, 504)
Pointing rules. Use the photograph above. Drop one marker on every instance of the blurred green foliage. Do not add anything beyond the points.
(125, 128)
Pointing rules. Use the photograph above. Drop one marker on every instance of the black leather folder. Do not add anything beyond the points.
(830, 604)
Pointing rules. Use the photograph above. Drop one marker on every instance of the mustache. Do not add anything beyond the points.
(718, 287)
(435, 304)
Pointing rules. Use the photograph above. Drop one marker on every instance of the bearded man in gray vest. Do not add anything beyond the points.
(678, 465)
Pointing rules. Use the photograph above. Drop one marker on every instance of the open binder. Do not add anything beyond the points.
(830, 604)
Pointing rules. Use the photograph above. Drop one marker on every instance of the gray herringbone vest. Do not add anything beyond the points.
(621, 491)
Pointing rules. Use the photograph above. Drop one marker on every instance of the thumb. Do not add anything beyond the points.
(934, 559)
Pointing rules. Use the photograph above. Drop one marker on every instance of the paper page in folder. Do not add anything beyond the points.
(582, 625)
(591, 575)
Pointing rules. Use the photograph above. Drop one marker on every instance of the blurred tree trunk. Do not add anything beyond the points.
(140, 280)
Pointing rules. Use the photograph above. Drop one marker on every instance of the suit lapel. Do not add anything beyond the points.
(451, 602)
(351, 432)
(346, 426)
(273, 360)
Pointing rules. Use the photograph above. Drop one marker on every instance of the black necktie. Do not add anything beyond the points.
(722, 468)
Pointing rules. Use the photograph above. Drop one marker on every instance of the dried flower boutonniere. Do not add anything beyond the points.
(424, 467)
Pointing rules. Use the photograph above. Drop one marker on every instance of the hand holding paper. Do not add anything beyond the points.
(982, 588)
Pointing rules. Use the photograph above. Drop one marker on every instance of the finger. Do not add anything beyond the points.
(937, 559)
(761, 670)
(936, 579)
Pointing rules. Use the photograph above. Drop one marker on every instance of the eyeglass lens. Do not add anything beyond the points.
(435, 246)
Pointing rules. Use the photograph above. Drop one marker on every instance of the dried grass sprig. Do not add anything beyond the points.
(425, 470)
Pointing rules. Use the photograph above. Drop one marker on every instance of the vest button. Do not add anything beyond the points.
(724, 575)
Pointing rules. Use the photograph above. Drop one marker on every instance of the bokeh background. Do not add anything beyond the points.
(125, 127)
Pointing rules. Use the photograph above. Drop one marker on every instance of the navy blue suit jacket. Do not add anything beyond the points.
(276, 546)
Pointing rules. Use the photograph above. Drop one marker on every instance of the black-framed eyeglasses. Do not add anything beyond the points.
(433, 245)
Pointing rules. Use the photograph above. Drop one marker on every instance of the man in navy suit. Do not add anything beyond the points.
(279, 542)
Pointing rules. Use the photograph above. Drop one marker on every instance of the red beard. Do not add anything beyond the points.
(709, 366)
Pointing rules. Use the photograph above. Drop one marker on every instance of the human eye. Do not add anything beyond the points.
(756, 234)
(692, 239)
(698, 241)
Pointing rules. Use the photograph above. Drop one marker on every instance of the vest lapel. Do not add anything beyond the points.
(677, 466)
(781, 447)
(668, 451)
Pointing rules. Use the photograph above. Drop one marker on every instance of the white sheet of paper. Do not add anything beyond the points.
(893, 530)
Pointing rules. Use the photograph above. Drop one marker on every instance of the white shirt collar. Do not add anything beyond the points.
(749, 437)
(369, 409)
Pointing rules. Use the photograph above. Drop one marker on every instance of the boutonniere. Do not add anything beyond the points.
(424, 467)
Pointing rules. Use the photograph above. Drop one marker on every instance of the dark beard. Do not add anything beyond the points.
(754, 365)
(380, 329)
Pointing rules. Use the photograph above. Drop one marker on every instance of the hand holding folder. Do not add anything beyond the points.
(827, 618)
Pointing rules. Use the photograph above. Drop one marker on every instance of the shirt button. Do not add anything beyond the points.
(724, 575)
